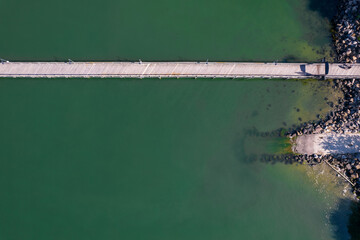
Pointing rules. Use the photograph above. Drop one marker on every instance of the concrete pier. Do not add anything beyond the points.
(327, 143)
(177, 70)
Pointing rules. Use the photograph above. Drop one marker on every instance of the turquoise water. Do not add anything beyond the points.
(158, 159)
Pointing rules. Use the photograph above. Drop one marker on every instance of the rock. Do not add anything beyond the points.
(348, 166)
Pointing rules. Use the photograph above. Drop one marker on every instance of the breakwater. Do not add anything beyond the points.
(177, 70)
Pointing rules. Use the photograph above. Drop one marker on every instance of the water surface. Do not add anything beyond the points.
(230, 30)
(156, 158)
(159, 159)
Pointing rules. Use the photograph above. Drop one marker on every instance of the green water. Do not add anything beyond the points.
(158, 159)
(227, 30)
(154, 159)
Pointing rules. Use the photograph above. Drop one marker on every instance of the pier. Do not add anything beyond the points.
(177, 70)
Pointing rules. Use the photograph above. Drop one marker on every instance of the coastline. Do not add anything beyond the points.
(334, 138)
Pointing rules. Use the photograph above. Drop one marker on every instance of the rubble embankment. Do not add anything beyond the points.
(346, 31)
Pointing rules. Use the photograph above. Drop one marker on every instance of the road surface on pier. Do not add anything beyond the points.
(176, 70)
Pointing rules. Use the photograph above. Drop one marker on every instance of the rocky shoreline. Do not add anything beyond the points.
(346, 32)
(346, 115)
(344, 119)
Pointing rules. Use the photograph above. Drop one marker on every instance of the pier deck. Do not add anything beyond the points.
(176, 70)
